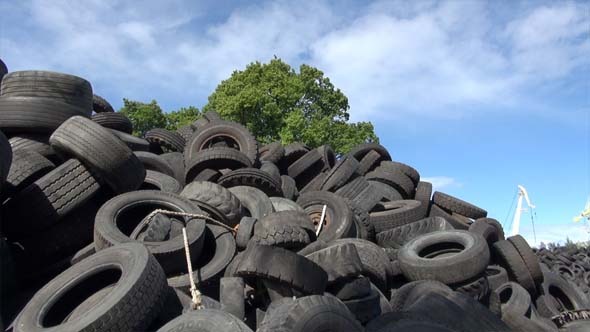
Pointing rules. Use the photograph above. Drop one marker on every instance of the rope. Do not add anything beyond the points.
(317, 232)
(195, 294)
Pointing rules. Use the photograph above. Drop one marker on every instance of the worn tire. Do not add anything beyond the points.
(205, 320)
(101, 105)
(252, 177)
(172, 141)
(339, 174)
(214, 158)
(272, 152)
(506, 255)
(340, 261)
(160, 181)
(396, 213)
(398, 236)
(338, 221)
(114, 120)
(154, 162)
(208, 134)
(457, 205)
(134, 143)
(257, 204)
(394, 178)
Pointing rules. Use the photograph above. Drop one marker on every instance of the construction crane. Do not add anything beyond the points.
(585, 215)
(522, 193)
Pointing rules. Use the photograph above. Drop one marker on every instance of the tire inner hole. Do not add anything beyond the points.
(441, 250)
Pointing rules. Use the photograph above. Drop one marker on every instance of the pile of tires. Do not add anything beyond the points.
(281, 238)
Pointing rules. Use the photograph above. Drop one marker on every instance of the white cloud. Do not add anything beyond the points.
(441, 182)
(392, 59)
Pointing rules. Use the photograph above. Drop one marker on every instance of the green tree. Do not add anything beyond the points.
(184, 116)
(276, 103)
(143, 116)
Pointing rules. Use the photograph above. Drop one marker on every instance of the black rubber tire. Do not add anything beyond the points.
(214, 158)
(119, 217)
(528, 257)
(340, 261)
(219, 250)
(252, 177)
(101, 151)
(290, 237)
(496, 224)
(477, 288)
(340, 173)
(293, 152)
(35, 115)
(26, 168)
(387, 192)
(246, 143)
(360, 193)
(354, 288)
(205, 320)
(408, 170)
(396, 213)
(398, 236)
(496, 275)
(561, 296)
(141, 280)
(361, 150)
(423, 195)
(404, 322)
(365, 309)
(65, 88)
(5, 159)
(469, 256)
(160, 181)
(310, 163)
(35, 143)
(298, 218)
(405, 296)
(83, 253)
(272, 152)
(245, 232)
(3, 70)
(54, 196)
(457, 205)
(506, 255)
(114, 120)
(369, 162)
(208, 175)
(272, 170)
(314, 184)
(310, 314)
(154, 162)
(362, 223)
(172, 141)
(338, 221)
(486, 230)
(282, 266)
(186, 132)
(101, 105)
(436, 211)
(134, 143)
(394, 178)
(231, 296)
(257, 204)
(284, 204)
(376, 264)
(176, 161)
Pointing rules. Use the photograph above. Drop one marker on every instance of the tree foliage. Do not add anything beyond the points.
(276, 103)
(146, 116)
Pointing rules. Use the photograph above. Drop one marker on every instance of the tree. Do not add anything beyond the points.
(184, 116)
(143, 116)
(276, 103)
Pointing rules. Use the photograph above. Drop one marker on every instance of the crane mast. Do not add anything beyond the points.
(522, 193)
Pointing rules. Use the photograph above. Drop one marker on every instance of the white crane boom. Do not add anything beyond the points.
(516, 221)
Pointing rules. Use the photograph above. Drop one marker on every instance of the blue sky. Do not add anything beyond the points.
(478, 96)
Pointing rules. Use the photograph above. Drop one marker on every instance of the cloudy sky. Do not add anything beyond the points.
(478, 96)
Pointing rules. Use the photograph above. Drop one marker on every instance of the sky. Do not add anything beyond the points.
(478, 96)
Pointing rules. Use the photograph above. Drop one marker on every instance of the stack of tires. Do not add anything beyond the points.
(281, 238)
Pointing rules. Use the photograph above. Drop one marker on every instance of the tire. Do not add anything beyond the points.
(134, 143)
(154, 162)
(436, 211)
(283, 204)
(397, 237)
(396, 213)
(341, 262)
(477, 288)
(208, 175)
(364, 229)
(365, 309)
(360, 193)
(311, 314)
(160, 181)
(231, 296)
(272, 152)
(83, 253)
(252, 177)
(101, 151)
(423, 195)
(487, 231)
(404, 322)
(469, 257)
(223, 130)
(272, 170)
(219, 250)
(3, 70)
(494, 223)
(310, 163)
(354, 288)
(116, 121)
(287, 268)
(528, 257)
(409, 171)
(5, 159)
(186, 132)
(361, 150)
(68, 89)
(245, 232)
(35, 115)
(101, 105)
(54, 196)
(386, 192)
(293, 152)
(176, 161)
(141, 280)
(214, 158)
(257, 204)
(170, 140)
(216, 196)
(376, 264)
(369, 162)
(339, 174)
(338, 221)
(515, 301)
(506, 255)
(205, 320)
(405, 296)
(560, 296)
(394, 178)
(118, 218)
(35, 143)
(496, 275)
(290, 237)
(457, 205)
(27, 167)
